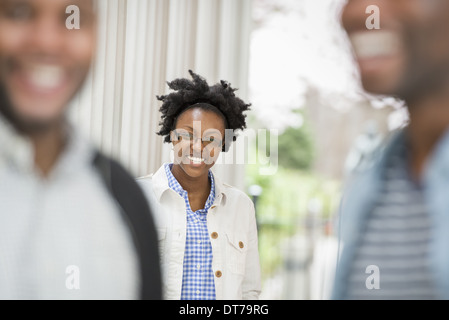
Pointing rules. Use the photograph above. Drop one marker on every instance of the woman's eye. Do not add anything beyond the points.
(185, 136)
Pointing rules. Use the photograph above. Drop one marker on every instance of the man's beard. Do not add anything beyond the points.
(23, 126)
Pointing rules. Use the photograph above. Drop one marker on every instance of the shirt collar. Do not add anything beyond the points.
(17, 151)
(174, 184)
(160, 185)
(78, 153)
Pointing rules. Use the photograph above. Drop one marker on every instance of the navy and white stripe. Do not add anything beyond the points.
(198, 277)
(396, 240)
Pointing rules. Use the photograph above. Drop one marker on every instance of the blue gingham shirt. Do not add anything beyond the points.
(198, 276)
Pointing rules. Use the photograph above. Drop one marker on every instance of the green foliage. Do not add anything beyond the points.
(283, 207)
(295, 148)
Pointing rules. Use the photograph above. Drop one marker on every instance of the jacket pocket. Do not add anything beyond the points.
(236, 249)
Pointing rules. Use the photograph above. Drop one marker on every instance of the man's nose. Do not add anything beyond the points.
(353, 15)
(48, 35)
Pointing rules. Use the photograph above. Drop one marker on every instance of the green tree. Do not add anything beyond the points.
(296, 148)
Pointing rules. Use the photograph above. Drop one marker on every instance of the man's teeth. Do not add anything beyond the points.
(45, 77)
(371, 44)
(195, 160)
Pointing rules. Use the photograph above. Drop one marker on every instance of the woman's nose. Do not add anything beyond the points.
(197, 145)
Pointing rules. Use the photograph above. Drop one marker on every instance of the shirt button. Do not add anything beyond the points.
(214, 235)
(241, 245)
(218, 274)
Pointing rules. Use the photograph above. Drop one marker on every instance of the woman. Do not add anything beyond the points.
(207, 229)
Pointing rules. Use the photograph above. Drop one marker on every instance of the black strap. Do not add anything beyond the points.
(137, 212)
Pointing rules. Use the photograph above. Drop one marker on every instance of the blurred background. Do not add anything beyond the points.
(310, 126)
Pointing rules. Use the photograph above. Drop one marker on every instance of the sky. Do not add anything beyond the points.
(295, 46)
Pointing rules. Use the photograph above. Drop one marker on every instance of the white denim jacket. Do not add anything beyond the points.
(231, 222)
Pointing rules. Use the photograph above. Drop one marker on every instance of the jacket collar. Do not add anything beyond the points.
(160, 186)
(360, 193)
(439, 160)
(438, 164)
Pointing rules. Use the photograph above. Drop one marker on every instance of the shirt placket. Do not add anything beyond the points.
(202, 243)
(198, 254)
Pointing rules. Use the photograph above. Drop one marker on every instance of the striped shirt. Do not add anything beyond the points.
(392, 259)
(198, 277)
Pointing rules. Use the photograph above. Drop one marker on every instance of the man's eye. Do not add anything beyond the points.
(88, 17)
(19, 12)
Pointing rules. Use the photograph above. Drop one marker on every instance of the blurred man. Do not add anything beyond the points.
(394, 221)
(73, 223)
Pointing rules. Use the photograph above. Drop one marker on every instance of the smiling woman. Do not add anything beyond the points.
(207, 229)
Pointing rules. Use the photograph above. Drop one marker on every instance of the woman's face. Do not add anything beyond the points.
(197, 141)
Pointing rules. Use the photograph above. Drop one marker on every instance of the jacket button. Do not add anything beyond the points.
(218, 274)
(214, 235)
(241, 245)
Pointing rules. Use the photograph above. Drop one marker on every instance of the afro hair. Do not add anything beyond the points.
(190, 93)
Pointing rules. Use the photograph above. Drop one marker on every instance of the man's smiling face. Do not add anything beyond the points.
(43, 64)
(409, 54)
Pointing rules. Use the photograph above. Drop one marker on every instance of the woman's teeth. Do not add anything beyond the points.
(195, 160)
